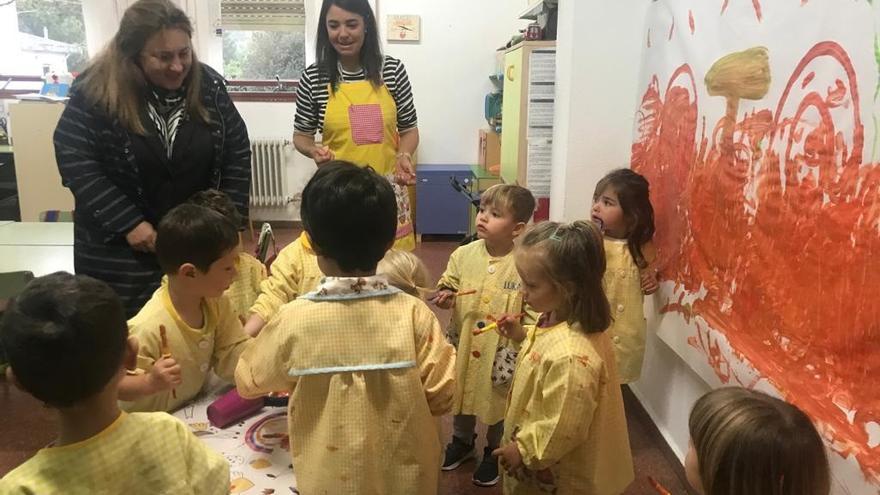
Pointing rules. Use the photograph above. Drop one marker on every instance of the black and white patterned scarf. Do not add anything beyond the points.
(167, 109)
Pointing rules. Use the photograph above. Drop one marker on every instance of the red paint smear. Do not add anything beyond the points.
(788, 259)
(757, 5)
(671, 29)
(649, 37)
(691, 20)
(808, 80)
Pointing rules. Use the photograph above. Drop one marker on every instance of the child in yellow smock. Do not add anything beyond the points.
(294, 273)
(480, 284)
(68, 346)
(244, 289)
(366, 364)
(622, 207)
(564, 429)
(188, 328)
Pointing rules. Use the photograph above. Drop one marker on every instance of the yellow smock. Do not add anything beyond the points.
(566, 411)
(623, 287)
(498, 292)
(138, 454)
(244, 289)
(369, 372)
(216, 346)
(295, 272)
(347, 108)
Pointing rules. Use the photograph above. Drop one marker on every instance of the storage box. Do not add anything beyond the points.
(489, 154)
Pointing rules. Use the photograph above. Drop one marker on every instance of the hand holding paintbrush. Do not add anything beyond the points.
(506, 326)
(165, 371)
(445, 298)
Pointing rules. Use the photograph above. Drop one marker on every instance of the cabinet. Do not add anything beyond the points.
(38, 180)
(442, 209)
(527, 115)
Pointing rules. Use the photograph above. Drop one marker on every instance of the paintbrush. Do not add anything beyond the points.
(657, 486)
(166, 352)
(494, 324)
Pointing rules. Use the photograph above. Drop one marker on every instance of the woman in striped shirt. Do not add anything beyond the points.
(361, 102)
(147, 126)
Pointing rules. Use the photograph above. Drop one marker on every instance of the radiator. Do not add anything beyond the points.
(267, 172)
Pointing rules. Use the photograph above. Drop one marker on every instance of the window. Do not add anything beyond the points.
(263, 39)
(51, 37)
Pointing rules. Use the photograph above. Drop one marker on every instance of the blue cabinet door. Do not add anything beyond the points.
(440, 209)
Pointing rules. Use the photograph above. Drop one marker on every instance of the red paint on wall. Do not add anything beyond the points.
(782, 232)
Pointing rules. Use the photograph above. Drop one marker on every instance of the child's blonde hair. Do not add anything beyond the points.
(512, 198)
(748, 443)
(574, 259)
(405, 271)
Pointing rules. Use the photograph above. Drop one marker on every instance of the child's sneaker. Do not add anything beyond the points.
(487, 473)
(457, 452)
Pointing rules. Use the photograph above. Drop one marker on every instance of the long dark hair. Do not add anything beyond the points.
(633, 193)
(371, 52)
(574, 260)
(114, 81)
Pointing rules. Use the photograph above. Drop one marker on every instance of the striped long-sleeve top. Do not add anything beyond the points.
(97, 162)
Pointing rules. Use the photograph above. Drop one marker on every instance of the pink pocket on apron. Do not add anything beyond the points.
(366, 124)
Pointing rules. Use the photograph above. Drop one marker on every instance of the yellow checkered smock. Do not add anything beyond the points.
(294, 272)
(138, 454)
(216, 346)
(567, 414)
(498, 292)
(369, 372)
(245, 288)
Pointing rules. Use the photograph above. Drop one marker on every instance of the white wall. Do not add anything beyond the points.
(598, 55)
(449, 68)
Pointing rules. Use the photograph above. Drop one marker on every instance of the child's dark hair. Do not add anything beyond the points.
(574, 259)
(749, 442)
(65, 336)
(193, 234)
(515, 199)
(633, 193)
(219, 202)
(350, 214)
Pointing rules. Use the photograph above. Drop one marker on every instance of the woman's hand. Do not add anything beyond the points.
(322, 155)
(404, 171)
(142, 237)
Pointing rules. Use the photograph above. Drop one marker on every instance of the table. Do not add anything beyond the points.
(36, 234)
(258, 448)
(41, 260)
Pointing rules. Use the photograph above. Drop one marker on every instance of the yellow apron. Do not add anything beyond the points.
(360, 126)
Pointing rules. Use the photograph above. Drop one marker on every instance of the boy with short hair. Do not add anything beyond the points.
(196, 248)
(367, 365)
(244, 289)
(69, 347)
(484, 272)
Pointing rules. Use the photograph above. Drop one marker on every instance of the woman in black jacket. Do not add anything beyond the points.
(147, 125)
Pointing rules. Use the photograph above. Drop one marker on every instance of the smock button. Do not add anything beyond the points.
(491, 269)
(203, 344)
(620, 308)
(204, 367)
(616, 339)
